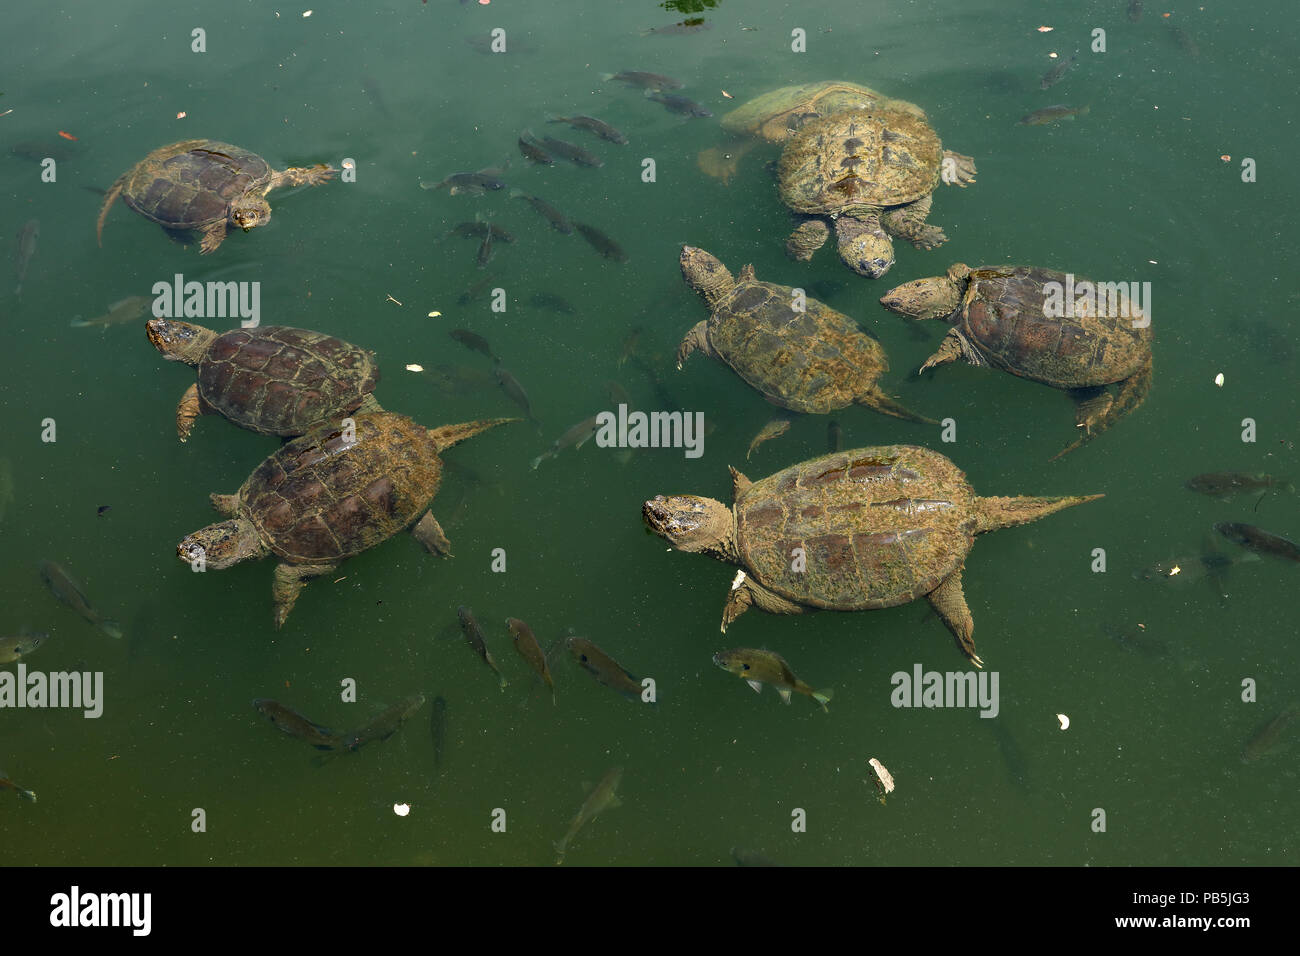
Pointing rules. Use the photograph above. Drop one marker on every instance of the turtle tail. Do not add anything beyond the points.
(109, 198)
(882, 403)
(448, 435)
(994, 513)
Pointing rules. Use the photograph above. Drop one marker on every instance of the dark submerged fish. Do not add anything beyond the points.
(472, 340)
(474, 637)
(1225, 484)
(604, 668)
(556, 303)
(1134, 11)
(533, 151)
(27, 238)
(384, 724)
(289, 721)
(69, 592)
(1049, 114)
(514, 391)
(606, 246)
(601, 799)
(478, 229)
(485, 250)
(7, 784)
(834, 436)
(1271, 737)
(645, 81)
(678, 103)
(528, 648)
(572, 152)
(474, 184)
(575, 437)
(1258, 540)
(1054, 75)
(470, 294)
(682, 28)
(559, 222)
(592, 125)
(1135, 640)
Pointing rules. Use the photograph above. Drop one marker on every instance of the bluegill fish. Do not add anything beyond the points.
(472, 340)
(528, 648)
(559, 222)
(474, 184)
(556, 303)
(289, 721)
(1053, 76)
(592, 125)
(758, 667)
(7, 784)
(604, 668)
(645, 81)
(384, 724)
(572, 152)
(1050, 114)
(574, 437)
(533, 151)
(606, 246)
(514, 391)
(124, 310)
(681, 28)
(1270, 738)
(19, 646)
(473, 632)
(69, 592)
(1258, 540)
(1225, 484)
(603, 798)
(677, 103)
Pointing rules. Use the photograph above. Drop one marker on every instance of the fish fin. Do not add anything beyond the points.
(79, 323)
(757, 685)
(785, 695)
(1085, 109)
(614, 801)
(823, 697)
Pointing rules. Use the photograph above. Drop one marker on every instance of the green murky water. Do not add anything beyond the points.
(1134, 191)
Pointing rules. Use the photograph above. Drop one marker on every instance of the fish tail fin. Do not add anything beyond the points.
(1084, 110)
(535, 462)
(823, 697)
(785, 695)
(606, 77)
(516, 193)
(111, 628)
(27, 795)
(78, 323)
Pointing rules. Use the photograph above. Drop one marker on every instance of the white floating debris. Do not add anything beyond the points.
(885, 780)
(434, 315)
(1065, 721)
(306, 13)
(1218, 380)
(740, 579)
(1046, 29)
(414, 368)
(401, 809)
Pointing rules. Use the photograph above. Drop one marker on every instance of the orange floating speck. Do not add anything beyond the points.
(180, 115)
(66, 135)
(1050, 29)
(1226, 158)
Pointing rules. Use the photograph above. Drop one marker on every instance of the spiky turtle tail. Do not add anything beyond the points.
(448, 435)
(109, 198)
(994, 513)
(882, 403)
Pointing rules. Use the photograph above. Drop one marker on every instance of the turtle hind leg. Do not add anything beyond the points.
(429, 533)
(109, 198)
(745, 592)
(303, 176)
(288, 583)
(949, 603)
(876, 399)
(908, 222)
(1096, 409)
(368, 405)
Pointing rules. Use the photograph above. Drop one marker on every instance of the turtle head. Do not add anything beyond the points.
(249, 211)
(179, 341)
(222, 544)
(937, 297)
(864, 246)
(706, 275)
(693, 524)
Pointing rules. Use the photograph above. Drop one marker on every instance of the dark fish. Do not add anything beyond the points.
(575, 437)
(1225, 484)
(557, 219)
(1012, 756)
(478, 229)
(684, 27)
(1134, 11)
(645, 81)
(7, 784)
(68, 591)
(601, 799)
(745, 857)
(548, 300)
(1184, 40)
(1053, 76)
(472, 340)
(383, 725)
(603, 667)
(289, 721)
(102, 510)
(1049, 114)
(474, 637)
(371, 89)
(1259, 541)
(124, 310)
(773, 429)
(834, 436)
(438, 730)
(606, 246)
(485, 250)
(678, 103)
(474, 184)
(528, 648)
(593, 125)
(1271, 737)
(628, 348)
(572, 152)
(470, 294)
(533, 152)
(461, 378)
(617, 394)
(59, 150)
(510, 385)
(27, 238)
(1211, 564)
(20, 645)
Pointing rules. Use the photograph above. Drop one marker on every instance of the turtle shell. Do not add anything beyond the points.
(321, 498)
(813, 361)
(778, 113)
(879, 527)
(877, 157)
(192, 184)
(1003, 315)
(281, 381)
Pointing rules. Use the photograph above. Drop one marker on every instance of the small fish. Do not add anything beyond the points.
(1271, 737)
(20, 645)
(371, 89)
(773, 429)
(528, 648)
(1225, 484)
(1184, 40)
(438, 731)
(757, 668)
(472, 340)
(548, 300)
(575, 437)
(1049, 114)
(39, 150)
(628, 348)
(533, 151)
(559, 222)
(7, 784)
(645, 81)
(745, 857)
(1258, 540)
(514, 391)
(604, 668)
(27, 238)
(1012, 756)
(473, 184)
(473, 292)
(617, 394)
(123, 310)
(684, 27)
(834, 436)
(601, 799)
(592, 125)
(289, 721)
(69, 592)
(606, 246)
(384, 724)
(1211, 564)
(478, 229)
(677, 103)
(485, 250)
(1134, 11)
(572, 152)
(1053, 76)
(474, 637)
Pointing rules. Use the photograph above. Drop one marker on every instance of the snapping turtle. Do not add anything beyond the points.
(329, 495)
(776, 115)
(204, 185)
(813, 359)
(871, 171)
(851, 531)
(270, 379)
(1009, 317)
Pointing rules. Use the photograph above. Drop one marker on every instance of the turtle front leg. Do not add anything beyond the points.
(226, 505)
(809, 236)
(949, 603)
(696, 338)
(745, 591)
(908, 222)
(188, 411)
(956, 169)
(303, 176)
(429, 533)
(212, 237)
(953, 347)
(289, 581)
